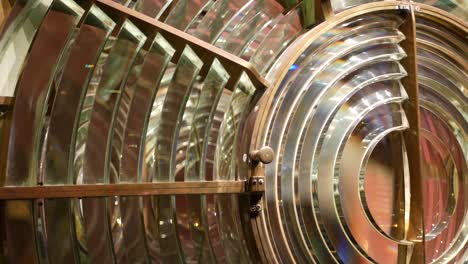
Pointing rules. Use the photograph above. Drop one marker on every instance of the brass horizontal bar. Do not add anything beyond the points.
(179, 39)
(123, 189)
(6, 101)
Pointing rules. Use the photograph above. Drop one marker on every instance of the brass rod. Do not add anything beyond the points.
(123, 189)
(6, 101)
(316, 12)
(415, 226)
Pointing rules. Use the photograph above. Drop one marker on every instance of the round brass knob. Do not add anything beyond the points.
(264, 155)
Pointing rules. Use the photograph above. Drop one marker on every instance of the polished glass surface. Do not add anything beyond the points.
(198, 208)
(71, 87)
(225, 169)
(283, 31)
(152, 8)
(16, 38)
(444, 128)
(139, 99)
(340, 98)
(180, 91)
(218, 17)
(185, 13)
(97, 138)
(34, 88)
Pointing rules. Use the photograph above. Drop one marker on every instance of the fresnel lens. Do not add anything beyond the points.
(233, 131)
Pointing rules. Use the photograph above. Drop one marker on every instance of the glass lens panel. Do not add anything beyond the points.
(33, 91)
(336, 90)
(152, 8)
(195, 221)
(83, 55)
(444, 132)
(105, 95)
(217, 18)
(184, 13)
(225, 169)
(16, 38)
(139, 96)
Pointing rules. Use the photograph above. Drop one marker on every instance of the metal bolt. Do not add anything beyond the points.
(264, 155)
(254, 182)
(258, 208)
(260, 181)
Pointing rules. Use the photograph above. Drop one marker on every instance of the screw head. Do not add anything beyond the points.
(258, 208)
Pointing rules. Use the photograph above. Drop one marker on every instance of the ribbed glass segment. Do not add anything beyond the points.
(444, 144)
(71, 87)
(36, 83)
(139, 102)
(17, 34)
(152, 8)
(338, 100)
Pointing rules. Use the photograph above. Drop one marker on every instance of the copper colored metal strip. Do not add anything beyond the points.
(6, 101)
(124, 189)
(415, 231)
(5, 128)
(179, 39)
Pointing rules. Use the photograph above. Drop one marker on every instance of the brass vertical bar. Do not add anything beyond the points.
(6, 113)
(327, 9)
(5, 128)
(398, 161)
(5, 9)
(315, 12)
(415, 231)
(6, 102)
(6, 109)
